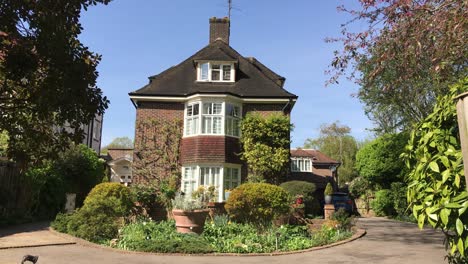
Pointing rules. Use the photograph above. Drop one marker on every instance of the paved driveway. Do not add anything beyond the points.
(387, 241)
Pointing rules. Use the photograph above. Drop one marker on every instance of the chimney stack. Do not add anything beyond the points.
(219, 29)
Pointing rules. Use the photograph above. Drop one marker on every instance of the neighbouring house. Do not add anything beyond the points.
(120, 162)
(208, 94)
(93, 133)
(313, 166)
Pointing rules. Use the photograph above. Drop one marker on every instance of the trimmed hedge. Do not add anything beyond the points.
(257, 203)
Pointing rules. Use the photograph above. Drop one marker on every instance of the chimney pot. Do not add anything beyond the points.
(219, 29)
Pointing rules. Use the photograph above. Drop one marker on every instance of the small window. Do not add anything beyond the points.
(215, 72)
(301, 164)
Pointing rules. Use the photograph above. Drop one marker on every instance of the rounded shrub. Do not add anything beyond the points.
(257, 203)
(306, 190)
(107, 190)
(101, 215)
(383, 203)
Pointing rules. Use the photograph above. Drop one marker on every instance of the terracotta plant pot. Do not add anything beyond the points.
(190, 221)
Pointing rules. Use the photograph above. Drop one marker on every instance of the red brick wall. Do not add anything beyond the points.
(198, 149)
(171, 112)
(206, 149)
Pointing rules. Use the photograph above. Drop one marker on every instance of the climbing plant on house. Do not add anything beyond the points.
(265, 142)
(437, 192)
(157, 149)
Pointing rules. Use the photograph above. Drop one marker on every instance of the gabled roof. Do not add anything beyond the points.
(253, 79)
(315, 155)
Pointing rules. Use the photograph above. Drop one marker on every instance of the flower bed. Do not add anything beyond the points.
(222, 236)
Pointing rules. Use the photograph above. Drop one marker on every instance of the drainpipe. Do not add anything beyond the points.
(462, 116)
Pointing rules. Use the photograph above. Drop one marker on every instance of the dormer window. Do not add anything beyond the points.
(215, 72)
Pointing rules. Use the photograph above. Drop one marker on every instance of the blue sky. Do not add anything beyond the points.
(140, 38)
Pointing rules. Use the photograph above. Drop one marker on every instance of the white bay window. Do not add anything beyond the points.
(223, 178)
(214, 118)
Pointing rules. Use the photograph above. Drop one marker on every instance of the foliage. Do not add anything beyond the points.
(48, 77)
(118, 142)
(437, 191)
(336, 142)
(328, 189)
(265, 142)
(220, 235)
(60, 223)
(149, 236)
(400, 202)
(3, 143)
(403, 56)
(206, 194)
(101, 215)
(107, 190)
(327, 235)
(379, 161)
(306, 190)
(257, 203)
(157, 152)
(81, 169)
(359, 187)
(383, 203)
(180, 202)
(47, 192)
(345, 222)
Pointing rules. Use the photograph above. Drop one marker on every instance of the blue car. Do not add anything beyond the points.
(342, 200)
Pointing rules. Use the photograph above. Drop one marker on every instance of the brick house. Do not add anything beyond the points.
(209, 93)
(313, 166)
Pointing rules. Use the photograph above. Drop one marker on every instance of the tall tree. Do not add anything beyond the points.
(47, 76)
(335, 141)
(404, 58)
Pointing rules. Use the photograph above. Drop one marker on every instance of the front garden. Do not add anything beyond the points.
(259, 218)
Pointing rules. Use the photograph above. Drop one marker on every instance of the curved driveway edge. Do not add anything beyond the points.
(358, 234)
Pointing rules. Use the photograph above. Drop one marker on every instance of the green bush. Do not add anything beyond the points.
(328, 189)
(107, 190)
(345, 222)
(257, 203)
(359, 187)
(46, 190)
(383, 203)
(305, 189)
(400, 202)
(60, 223)
(81, 169)
(101, 215)
(97, 221)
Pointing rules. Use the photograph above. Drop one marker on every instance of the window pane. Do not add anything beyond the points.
(235, 111)
(207, 109)
(195, 125)
(188, 128)
(206, 129)
(216, 67)
(226, 72)
(216, 125)
(215, 75)
(189, 110)
(236, 127)
(204, 71)
(229, 126)
(195, 109)
(217, 108)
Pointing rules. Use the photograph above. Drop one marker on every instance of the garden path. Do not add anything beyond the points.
(387, 241)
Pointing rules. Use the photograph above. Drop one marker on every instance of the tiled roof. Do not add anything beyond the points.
(317, 156)
(253, 79)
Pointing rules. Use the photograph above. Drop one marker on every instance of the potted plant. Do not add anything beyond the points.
(328, 193)
(189, 214)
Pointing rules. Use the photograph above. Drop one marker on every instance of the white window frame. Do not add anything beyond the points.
(210, 70)
(224, 118)
(209, 130)
(219, 182)
(301, 164)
